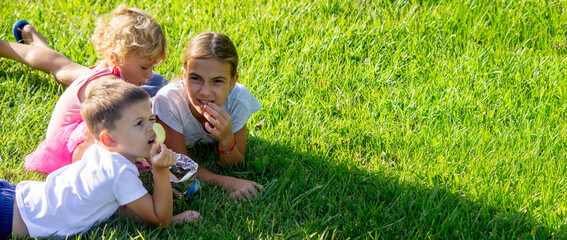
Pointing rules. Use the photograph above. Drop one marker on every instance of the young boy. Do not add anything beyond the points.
(75, 197)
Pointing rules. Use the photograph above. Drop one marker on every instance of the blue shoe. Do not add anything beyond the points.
(17, 30)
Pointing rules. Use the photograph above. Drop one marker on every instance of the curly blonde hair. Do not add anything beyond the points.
(129, 31)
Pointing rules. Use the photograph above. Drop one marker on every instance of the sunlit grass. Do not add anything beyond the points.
(431, 119)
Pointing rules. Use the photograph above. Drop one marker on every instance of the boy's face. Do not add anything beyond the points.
(136, 69)
(133, 132)
(207, 80)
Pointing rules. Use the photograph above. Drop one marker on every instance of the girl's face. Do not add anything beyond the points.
(136, 69)
(207, 81)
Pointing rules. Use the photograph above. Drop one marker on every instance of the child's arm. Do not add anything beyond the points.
(236, 155)
(240, 189)
(232, 145)
(237, 188)
(176, 141)
(157, 210)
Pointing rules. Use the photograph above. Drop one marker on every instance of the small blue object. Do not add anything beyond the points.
(17, 30)
(194, 188)
(154, 84)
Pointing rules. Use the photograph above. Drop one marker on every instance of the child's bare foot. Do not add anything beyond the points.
(32, 37)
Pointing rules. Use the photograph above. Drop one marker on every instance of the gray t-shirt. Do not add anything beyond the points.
(171, 105)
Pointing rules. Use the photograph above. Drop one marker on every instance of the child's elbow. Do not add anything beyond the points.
(161, 223)
(166, 224)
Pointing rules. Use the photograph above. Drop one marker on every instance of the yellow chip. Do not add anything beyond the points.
(160, 132)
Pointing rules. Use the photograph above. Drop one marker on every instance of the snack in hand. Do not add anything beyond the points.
(160, 132)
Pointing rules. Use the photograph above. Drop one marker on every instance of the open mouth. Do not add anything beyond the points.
(203, 102)
(152, 140)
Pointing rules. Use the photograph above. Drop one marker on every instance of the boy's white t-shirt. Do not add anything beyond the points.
(75, 197)
(171, 105)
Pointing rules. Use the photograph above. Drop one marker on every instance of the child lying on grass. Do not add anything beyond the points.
(75, 197)
(208, 105)
(129, 42)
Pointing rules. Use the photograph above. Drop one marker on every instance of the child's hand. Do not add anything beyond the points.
(185, 217)
(241, 189)
(219, 124)
(161, 156)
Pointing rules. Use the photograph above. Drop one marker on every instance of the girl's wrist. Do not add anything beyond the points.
(160, 170)
(227, 142)
(226, 148)
(227, 183)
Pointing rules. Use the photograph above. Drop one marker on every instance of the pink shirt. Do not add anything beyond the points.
(68, 108)
(66, 128)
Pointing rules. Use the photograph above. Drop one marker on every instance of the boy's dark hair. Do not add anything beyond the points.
(106, 98)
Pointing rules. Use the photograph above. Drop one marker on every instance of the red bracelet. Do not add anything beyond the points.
(219, 150)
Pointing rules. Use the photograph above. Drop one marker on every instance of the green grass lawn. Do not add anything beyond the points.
(419, 120)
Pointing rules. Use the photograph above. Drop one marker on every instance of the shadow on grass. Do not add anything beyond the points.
(308, 196)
